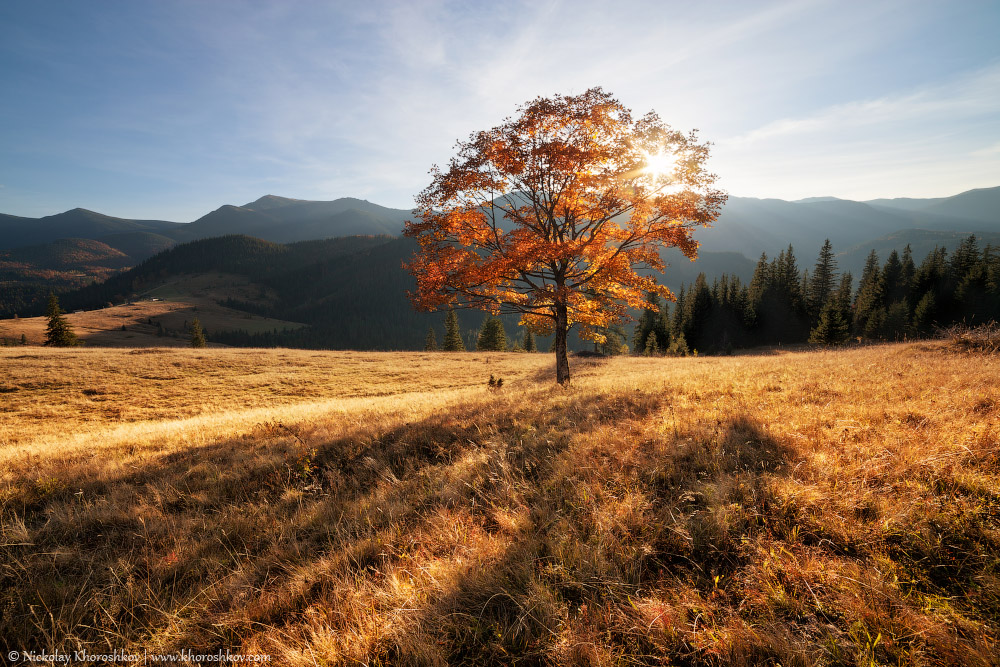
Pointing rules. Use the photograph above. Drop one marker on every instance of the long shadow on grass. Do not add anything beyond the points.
(208, 540)
(608, 520)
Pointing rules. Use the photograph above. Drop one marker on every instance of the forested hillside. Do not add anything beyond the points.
(893, 299)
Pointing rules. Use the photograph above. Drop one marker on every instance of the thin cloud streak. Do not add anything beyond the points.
(975, 96)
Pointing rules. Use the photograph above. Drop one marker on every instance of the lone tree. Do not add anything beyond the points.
(197, 334)
(551, 214)
(58, 332)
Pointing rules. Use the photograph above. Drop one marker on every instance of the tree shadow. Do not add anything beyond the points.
(126, 525)
(563, 563)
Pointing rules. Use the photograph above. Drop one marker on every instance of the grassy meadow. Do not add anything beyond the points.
(329, 508)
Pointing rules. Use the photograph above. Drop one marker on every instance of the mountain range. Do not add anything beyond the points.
(271, 218)
(747, 225)
(71, 250)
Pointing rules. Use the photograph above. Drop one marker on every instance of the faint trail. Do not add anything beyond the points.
(210, 427)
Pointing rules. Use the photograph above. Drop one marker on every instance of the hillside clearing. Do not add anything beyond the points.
(386, 508)
(103, 327)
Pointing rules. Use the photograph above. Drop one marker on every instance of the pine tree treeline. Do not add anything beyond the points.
(893, 300)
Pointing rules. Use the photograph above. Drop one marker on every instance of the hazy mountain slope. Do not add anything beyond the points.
(982, 205)
(904, 203)
(277, 219)
(713, 264)
(921, 242)
(351, 222)
(352, 290)
(752, 226)
(77, 223)
(287, 220)
(297, 210)
(227, 220)
(139, 245)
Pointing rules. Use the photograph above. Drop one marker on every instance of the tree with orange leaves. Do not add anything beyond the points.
(552, 213)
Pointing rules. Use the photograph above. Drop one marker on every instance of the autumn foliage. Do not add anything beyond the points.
(551, 214)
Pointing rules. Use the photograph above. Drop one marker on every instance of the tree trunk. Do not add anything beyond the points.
(562, 361)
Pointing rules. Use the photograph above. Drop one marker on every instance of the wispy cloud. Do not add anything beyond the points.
(989, 151)
(974, 96)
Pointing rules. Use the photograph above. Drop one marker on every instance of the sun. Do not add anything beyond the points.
(658, 164)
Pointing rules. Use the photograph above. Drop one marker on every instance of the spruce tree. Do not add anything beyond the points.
(529, 341)
(843, 294)
(869, 309)
(822, 281)
(654, 319)
(430, 343)
(58, 332)
(197, 335)
(930, 278)
(651, 348)
(492, 337)
(646, 321)
(906, 277)
(965, 257)
(896, 322)
(697, 308)
(924, 315)
(832, 328)
(452, 336)
(677, 321)
(894, 288)
(991, 258)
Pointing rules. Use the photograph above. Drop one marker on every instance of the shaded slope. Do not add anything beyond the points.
(77, 223)
(982, 204)
(255, 258)
(67, 254)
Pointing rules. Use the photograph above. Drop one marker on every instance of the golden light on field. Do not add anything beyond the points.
(386, 508)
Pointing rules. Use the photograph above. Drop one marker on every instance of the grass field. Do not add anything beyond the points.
(325, 508)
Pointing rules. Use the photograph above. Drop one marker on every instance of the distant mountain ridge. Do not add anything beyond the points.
(284, 220)
(746, 228)
(752, 226)
(747, 225)
(272, 218)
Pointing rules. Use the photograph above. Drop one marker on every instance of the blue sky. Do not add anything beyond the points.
(169, 109)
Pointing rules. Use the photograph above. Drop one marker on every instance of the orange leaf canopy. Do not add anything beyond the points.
(561, 207)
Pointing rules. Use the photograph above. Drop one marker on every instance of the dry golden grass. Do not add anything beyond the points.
(836, 508)
(103, 327)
